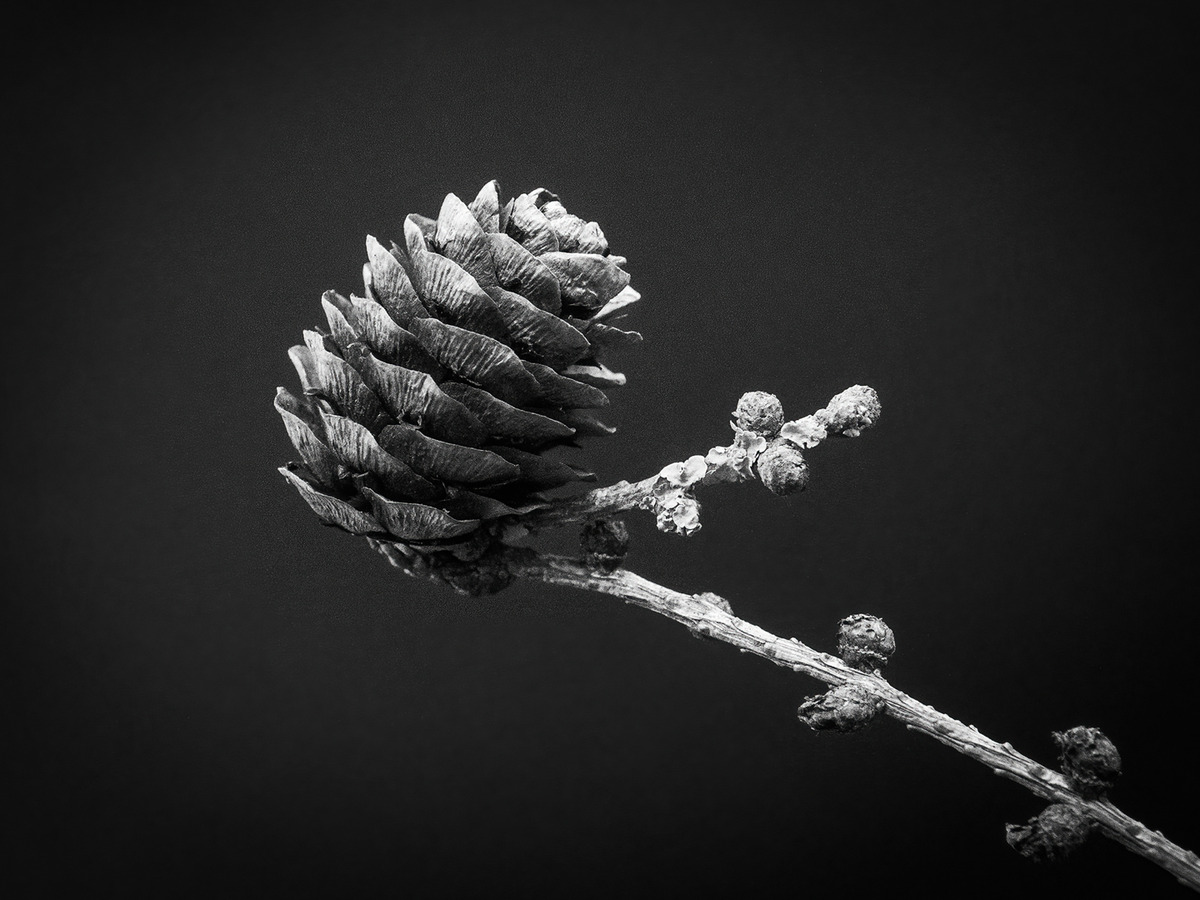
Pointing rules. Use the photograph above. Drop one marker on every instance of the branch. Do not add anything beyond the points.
(768, 449)
(764, 447)
(708, 615)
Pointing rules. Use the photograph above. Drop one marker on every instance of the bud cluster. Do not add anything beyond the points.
(760, 412)
(865, 642)
(845, 708)
(851, 411)
(605, 543)
(782, 468)
(1089, 760)
(1051, 834)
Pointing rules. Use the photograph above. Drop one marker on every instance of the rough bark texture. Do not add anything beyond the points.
(859, 692)
(703, 615)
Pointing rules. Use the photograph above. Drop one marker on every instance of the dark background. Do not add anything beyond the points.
(986, 214)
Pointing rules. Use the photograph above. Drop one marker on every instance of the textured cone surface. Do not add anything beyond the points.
(426, 409)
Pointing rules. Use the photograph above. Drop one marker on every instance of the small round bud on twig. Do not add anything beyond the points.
(852, 410)
(1051, 834)
(605, 543)
(1089, 760)
(782, 469)
(865, 642)
(760, 412)
(478, 574)
(845, 708)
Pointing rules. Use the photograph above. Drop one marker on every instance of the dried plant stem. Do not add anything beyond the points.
(620, 497)
(669, 495)
(705, 615)
(759, 434)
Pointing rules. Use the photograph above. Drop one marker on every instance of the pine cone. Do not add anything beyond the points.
(429, 404)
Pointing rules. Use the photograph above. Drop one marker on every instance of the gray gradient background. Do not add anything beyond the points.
(987, 215)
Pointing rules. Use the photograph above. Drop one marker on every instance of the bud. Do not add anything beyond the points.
(1051, 834)
(1089, 760)
(865, 642)
(482, 574)
(760, 412)
(605, 543)
(846, 708)
(782, 468)
(851, 411)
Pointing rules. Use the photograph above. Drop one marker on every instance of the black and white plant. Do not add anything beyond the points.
(430, 412)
